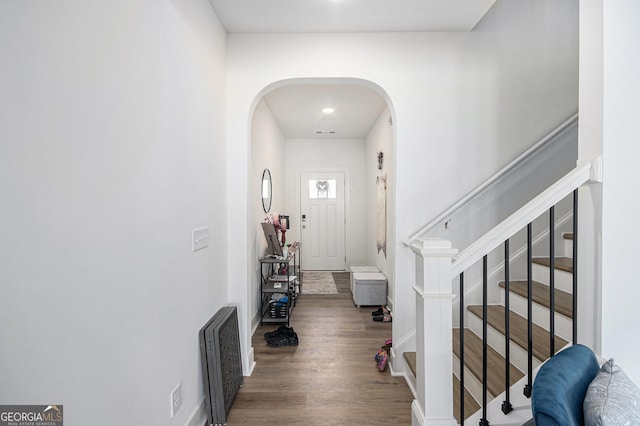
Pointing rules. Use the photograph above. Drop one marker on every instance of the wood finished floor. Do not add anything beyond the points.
(331, 378)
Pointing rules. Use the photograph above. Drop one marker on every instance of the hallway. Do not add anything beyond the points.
(331, 378)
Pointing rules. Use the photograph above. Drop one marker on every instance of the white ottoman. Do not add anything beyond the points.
(369, 289)
(359, 268)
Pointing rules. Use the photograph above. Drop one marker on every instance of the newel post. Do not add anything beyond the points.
(434, 322)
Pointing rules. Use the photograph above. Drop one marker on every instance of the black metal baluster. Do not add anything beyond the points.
(575, 266)
(461, 348)
(528, 386)
(506, 404)
(485, 313)
(552, 283)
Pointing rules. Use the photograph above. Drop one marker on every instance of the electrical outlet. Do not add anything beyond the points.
(176, 399)
(200, 238)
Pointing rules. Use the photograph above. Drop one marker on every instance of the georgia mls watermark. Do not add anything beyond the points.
(31, 415)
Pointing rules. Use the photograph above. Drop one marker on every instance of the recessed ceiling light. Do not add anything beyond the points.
(328, 110)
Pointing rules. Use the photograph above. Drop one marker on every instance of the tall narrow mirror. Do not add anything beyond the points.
(266, 190)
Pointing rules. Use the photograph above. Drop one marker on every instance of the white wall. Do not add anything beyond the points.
(511, 191)
(346, 155)
(590, 195)
(621, 198)
(111, 126)
(465, 104)
(610, 235)
(267, 152)
(380, 139)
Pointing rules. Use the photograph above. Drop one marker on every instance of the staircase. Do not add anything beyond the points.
(518, 338)
(541, 298)
(510, 323)
(496, 383)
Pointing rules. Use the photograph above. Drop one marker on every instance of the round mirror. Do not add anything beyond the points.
(266, 190)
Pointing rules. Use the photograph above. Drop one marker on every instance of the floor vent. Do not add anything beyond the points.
(221, 363)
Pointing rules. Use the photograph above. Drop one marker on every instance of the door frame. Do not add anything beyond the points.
(347, 206)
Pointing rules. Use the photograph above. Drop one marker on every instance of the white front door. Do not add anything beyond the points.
(322, 221)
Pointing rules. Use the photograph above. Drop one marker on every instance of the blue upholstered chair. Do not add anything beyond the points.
(560, 387)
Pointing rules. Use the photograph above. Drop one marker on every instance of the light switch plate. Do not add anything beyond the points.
(200, 238)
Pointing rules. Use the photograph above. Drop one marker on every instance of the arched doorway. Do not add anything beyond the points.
(291, 136)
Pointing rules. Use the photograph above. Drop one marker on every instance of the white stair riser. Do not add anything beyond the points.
(568, 248)
(519, 416)
(518, 304)
(518, 355)
(471, 382)
(564, 280)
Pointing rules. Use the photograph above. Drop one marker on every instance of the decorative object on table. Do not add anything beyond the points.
(273, 244)
(284, 225)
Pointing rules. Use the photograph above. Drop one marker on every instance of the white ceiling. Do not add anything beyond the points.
(297, 16)
(297, 109)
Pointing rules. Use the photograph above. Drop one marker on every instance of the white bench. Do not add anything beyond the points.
(369, 288)
(360, 268)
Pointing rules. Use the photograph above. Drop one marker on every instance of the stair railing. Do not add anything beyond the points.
(575, 266)
(505, 171)
(435, 261)
(507, 407)
(529, 386)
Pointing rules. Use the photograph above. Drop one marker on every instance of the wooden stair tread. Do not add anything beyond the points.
(495, 361)
(568, 235)
(561, 263)
(410, 357)
(470, 404)
(542, 296)
(519, 330)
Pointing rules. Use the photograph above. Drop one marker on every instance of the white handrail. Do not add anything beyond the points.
(521, 218)
(477, 190)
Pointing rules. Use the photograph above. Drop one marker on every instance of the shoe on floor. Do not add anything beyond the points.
(383, 318)
(382, 360)
(286, 338)
(275, 332)
(380, 311)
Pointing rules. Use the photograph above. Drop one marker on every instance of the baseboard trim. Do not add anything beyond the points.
(251, 363)
(402, 372)
(417, 416)
(198, 417)
(409, 382)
